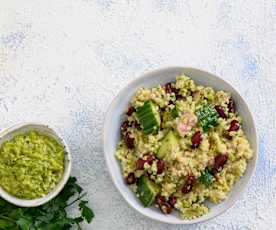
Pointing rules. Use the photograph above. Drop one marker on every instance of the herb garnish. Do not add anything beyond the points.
(50, 216)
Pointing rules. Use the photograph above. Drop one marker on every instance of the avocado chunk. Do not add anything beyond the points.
(169, 143)
(147, 190)
(148, 117)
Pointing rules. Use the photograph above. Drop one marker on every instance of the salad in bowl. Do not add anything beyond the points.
(182, 144)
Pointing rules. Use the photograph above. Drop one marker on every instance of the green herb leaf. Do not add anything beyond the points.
(207, 116)
(206, 178)
(6, 224)
(50, 216)
(86, 212)
(24, 223)
(175, 112)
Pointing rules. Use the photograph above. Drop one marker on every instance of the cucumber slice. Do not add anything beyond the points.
(207, 116)
(147, 191)
(148, 117)
(169, 143)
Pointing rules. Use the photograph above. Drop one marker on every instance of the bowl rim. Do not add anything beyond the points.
(66, 174)
(142, 77)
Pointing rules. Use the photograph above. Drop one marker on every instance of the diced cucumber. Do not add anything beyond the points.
(169, 143)
(148, 117)
(147, 191)
(207, 116)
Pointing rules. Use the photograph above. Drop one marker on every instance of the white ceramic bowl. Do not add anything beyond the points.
(111, 136)
(8, 134)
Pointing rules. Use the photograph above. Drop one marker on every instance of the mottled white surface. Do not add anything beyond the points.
(62, 62)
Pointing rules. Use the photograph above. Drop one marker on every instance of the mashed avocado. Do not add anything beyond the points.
(31, 165)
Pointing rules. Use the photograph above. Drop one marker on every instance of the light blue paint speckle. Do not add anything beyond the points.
(263, 166)
(104, 5)
(118, 60)
(250, 61)
(251, 65)
(244, 228)
(241, 43)
(224, 15)
(262, 163)
(13, 40)
(167, 5)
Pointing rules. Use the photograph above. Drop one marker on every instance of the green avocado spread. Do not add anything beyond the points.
(31, 165)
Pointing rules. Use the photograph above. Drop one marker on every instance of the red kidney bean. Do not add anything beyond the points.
(191, 179)
(220, 161)
(220, 111)
(196, 139)
(130, 111)
(136, 125)
(130, 179)
(140, 164)
(129, 140)
(168, 87)
(163, 205)
(187, 188)
(188, 184)
(160, 200)
(149, 159)
(172, 200)
(234, 126)
(231, 106)
(124, 126)
(166, 208)
(160, 166)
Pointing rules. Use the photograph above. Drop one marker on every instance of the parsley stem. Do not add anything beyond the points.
(74, 201)
(7, 218)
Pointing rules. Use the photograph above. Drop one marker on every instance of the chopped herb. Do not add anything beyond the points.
(50, 216)
(207, 116)
(206, 178)
(175, 112)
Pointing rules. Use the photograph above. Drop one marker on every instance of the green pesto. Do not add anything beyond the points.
(31, 165)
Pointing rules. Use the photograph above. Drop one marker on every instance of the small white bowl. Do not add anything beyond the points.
(8, 134)
(111, 136)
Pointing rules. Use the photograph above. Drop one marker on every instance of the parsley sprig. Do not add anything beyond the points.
(206, 177)
(207, 116)
(50, 216)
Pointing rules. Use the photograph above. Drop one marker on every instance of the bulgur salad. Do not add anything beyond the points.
(182, 144)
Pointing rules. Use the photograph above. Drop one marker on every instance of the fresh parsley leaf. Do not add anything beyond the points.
(86, 212)
(207, 116)
(24, 223)
(175, 112)
(206, 178)
(50, 216)
(6, 224)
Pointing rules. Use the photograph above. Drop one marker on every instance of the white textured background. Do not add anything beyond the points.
(62, 62)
